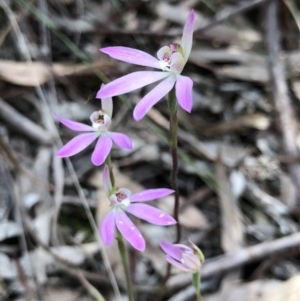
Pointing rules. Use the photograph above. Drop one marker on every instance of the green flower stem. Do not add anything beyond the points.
(196, 283)
(172, 103)
(124, 259)
(111, 174)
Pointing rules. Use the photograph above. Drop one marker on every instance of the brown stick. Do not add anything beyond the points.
(280, 90)
(250, 254)
(23, 125)
(226, 13)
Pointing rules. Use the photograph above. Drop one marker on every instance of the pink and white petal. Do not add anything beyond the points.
(121, 140)
(129, 231)
(150, 194)
(74, 125)
(77, 144)
(171, 250)
(101, 150)
(106, 180)
(184, 86)
(131, 56)
(178, 264)
(107, 228)
(187, 36)
(130, 82)
(156, 94)
(151, 214)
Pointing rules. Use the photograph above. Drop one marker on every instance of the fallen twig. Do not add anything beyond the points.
(23, 125)
(65, 265)
(229, 12)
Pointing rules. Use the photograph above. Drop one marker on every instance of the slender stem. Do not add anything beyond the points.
(111, 174)
(172, 103)
(196, 283)
(124, 259)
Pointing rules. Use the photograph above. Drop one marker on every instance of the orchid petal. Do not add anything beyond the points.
(178, 264)
(122, 140)
(171, 250)
(131, 56)
(187, 36)
(107, 228)
(151, 214)
(191, 261)
(106, 180)
(130, 82)
(156, 94)
(107, 105)
(77, 144)
(129, 231)
(101, 150)
(74, 125)
(150, 194)
(184, 86)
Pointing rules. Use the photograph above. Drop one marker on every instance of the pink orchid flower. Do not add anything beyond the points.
(171, 60)
(101, 121)
(122, 200)
(185, 258)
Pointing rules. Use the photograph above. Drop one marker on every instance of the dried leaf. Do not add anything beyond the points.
(232, 227)
(286, 291)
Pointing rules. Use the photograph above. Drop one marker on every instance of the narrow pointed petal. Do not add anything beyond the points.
(76, 145)
(74, 125)
(156, 94)
(107, 106)
(187, 36)
(129, 231)
(184, 86)
(101, 150)
(122, 140)
(107, 228)
(171, 250)
(131, 56)
(151, 214)
(178, 264)
(150, 194)
(106, 180)
(130, 82)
